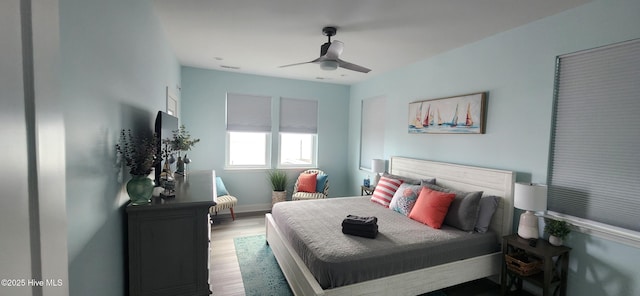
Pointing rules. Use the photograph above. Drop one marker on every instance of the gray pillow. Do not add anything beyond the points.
(488, 206)
(463, 211)
(407, 180)
(431, 181)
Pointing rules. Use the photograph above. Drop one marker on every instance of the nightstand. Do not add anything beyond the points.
(555, 263)
(364, 190)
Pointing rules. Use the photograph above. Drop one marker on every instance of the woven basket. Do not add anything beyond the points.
(522, 264)
(278, 196)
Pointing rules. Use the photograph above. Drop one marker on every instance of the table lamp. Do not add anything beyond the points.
(377, 166)
(531, 198)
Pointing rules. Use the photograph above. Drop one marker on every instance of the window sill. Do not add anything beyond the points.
(246, 168)
(617, 234)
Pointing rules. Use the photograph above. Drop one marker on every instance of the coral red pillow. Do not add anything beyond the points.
(384, 191)
(431, 207)
(307, 182)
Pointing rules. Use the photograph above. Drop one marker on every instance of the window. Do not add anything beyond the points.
(298, 133)
(297, 149)
(247, 149)
(372, 131)
(248, 131)
(594, 163)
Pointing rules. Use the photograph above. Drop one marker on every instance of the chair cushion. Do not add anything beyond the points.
(225, 202)
(321, 180)
(307, 182)
(307, 195)
(221, 190)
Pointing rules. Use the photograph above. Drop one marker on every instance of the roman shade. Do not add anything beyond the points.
(248, 113)
(298, 116)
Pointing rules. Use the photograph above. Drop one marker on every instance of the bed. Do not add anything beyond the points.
(441, 273)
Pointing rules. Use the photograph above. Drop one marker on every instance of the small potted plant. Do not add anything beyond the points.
(140, 154)
(278, 180)
(557, 231)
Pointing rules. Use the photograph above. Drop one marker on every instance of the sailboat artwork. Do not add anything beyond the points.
(469, 121)
(417, 122)
(453, 115)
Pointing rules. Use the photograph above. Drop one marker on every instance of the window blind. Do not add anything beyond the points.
(372, 131)
(594, 170)
(248, 113)
(298, 116)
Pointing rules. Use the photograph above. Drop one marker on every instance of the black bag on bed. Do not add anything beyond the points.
(360, 226)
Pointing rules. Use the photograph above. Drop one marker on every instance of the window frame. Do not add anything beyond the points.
(372, 131)
(587, 61)
(268, 145)
(314, 152)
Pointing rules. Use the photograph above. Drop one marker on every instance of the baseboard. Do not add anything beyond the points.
(266, 207)
(242, 211)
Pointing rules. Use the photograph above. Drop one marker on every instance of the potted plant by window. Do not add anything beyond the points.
(557, 231)
(140, 154)
(278, 180)
(181, 141)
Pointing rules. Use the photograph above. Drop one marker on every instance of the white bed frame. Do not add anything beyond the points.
(466, 178)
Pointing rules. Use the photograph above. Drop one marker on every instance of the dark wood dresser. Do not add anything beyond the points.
(169, 240)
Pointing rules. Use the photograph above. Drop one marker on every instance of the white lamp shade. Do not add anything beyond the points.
(530, 197)
(377, 165)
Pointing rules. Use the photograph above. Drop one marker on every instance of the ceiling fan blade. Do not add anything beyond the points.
(335, 49)
(296, 64)
(353, 67)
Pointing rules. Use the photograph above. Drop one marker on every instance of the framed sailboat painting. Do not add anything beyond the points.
(453, 115)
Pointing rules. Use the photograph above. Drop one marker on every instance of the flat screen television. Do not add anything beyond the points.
(165, 125)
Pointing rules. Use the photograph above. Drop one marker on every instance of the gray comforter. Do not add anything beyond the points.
(313, 228)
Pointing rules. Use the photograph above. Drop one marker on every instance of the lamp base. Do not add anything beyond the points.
(528, 227)
(376, 179)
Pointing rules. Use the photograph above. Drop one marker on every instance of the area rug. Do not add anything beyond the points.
(261, 274)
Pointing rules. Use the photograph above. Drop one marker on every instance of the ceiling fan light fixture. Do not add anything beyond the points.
(328, 65)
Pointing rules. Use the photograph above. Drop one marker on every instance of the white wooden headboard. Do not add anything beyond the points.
(465, 178)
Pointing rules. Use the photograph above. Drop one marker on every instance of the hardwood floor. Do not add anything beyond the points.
(225, 275)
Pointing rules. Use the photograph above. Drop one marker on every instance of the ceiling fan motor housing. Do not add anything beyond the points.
(329, 31)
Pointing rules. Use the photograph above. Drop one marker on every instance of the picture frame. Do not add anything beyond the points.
(463, 114)
(172, 103)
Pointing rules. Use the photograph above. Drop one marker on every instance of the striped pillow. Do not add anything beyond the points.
(384, 191)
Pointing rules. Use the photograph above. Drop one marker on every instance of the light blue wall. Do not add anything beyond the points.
(115, 66)
(517, 69)
(203, 113)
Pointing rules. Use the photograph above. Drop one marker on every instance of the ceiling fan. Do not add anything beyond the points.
(330, 55)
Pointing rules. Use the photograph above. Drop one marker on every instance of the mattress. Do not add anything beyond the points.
(313, 228)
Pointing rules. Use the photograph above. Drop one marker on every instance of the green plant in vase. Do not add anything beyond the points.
(181, 141)
(140, 154)
(278, 180)
(557, 231)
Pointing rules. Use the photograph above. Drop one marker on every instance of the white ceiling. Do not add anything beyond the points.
(258, 36)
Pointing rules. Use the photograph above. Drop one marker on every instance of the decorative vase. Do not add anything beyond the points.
(278, 196)
(186, 161)
(180, 166)
(554, 240)
(140, 189)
